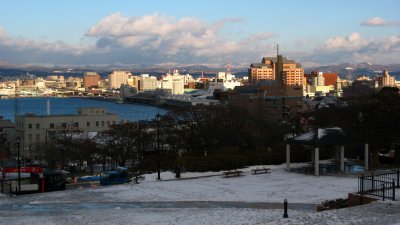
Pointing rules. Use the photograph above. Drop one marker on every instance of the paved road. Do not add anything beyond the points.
(68, 206)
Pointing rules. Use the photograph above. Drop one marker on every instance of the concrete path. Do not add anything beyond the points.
(68, 206)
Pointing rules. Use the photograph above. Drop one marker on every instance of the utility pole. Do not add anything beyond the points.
(158, 118)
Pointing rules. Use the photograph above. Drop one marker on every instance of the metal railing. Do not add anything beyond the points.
(380, 183)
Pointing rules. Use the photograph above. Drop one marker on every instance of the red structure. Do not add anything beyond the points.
(330, 79)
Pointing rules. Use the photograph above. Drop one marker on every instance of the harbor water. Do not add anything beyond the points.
(69, 106)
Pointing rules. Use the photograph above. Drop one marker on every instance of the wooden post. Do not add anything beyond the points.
(42, 175)
(285, 207)
(362, 189)
(342, 159)
(393, 190)
(316, 161)
(366, 156)
(288, 157)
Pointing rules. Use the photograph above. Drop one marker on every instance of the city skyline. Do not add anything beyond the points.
(211, 33)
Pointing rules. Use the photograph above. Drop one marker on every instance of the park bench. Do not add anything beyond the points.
(233, 173)
(261, 170)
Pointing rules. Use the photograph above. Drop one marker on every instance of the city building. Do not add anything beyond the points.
(74, 83)
(173, 83)
(321, 79)
(134, 81)
(189, 82)
(320, 84)
(385, 80)
(36, 129)
(7, 134)
(91, 79)
(331, 79)
(148, 83)
(360, 88)
(276, 88)
(118, 77)
(267, 70)
(224, 81)
(55, 78)
(365, 78)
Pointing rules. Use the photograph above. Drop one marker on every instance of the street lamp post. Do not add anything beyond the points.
(18, 142)
(158, 118)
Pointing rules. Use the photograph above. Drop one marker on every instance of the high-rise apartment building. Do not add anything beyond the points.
(267, 70)
(118, 77)
(174, 83)
(386, 80)
(91, 79)
(148, 83)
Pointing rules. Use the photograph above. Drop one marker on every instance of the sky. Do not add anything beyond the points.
(207, 32)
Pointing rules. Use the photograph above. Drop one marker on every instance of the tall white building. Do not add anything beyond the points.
(187, 79)
(386, 80)
(173, 83)
(148, 83)
(319, 80)
(224, 81)
(118, 77)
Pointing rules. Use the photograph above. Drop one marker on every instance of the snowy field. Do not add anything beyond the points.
(201, 198)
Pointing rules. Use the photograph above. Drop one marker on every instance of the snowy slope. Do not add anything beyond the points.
(195, 201)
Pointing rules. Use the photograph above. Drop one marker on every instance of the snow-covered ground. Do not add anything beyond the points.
(210, 198)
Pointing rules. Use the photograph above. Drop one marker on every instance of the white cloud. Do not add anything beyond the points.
(257, 38)
(375, 22)
(355, 48)
(353, 42)
(356, 43)
(148, 39)
(379, 22)
(183, 39)
(163, 35)
(23, 44)
(155, 39)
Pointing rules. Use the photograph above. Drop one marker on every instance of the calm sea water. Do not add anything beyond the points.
(63, 106)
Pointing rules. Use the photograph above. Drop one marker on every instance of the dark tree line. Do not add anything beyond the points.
(121, 143)
(227, 136)
(371, 119)
(200, 132)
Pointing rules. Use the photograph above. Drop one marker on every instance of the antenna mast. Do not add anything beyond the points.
(277, 49)
(15, 100)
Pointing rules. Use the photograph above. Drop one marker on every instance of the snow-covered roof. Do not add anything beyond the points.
(335, 133)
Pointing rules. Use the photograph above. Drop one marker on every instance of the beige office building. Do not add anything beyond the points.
(118, 77)
(173, 83)
(386, 80)
(148, 83)
(35, 129)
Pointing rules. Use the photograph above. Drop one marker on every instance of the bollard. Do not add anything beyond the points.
(285, 205)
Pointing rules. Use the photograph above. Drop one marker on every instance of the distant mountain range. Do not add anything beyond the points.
(345, 70)
(351, 71)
